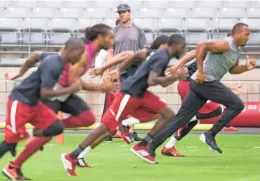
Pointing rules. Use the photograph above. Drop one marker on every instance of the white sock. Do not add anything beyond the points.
(172, 142)
(194, 119)
(130, 121)
(30, 131)
(84, 152)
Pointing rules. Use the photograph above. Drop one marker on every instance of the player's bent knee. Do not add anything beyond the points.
(167, 113)
(239, 106)
(87, 118)
(55, 129)
(218, 111)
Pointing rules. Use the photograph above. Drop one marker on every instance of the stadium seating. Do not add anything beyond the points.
(50, 23)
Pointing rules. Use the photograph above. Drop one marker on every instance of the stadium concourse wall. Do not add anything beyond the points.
(249, 81)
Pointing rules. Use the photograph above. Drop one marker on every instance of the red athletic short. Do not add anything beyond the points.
(183, 89)
(124, 105)
(18, 114)
(142, 114)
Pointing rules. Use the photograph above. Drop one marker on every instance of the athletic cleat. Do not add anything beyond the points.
(109, 139)
(14, 173)
(171, 152)
(124, 129)
(211, 142)
(81, 163)
(69, 164)
(136, 138)
(142, 152)
(124, 137)
(177, 134)
(131, 137)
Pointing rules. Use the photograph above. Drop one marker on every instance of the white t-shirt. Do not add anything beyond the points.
(101, 58)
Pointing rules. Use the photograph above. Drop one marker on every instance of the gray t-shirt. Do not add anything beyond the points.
(130, 38)
(216, 65)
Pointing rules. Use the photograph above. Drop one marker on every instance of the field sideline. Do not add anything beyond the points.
(114, 162)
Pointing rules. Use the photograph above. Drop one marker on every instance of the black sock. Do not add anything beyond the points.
(147, 139)
(217, 127)
(76, 152)
(187, 129)
(5, 147)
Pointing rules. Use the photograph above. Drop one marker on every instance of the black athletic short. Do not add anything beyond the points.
(74, 105)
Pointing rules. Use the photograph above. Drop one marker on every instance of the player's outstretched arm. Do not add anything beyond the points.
(185, 59)
(47, 92)
(121, 57)
(77, 70)
(112, 61)
(133, 58)
(238, 69)
(29, 63)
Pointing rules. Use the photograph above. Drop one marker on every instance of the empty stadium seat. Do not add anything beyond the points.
(200, 23)
(253, 13)
(252, 23)
(44, 12)
(224, 23)
(50, 3)
(10, 12)
(147, 23)
(69, 12)
(193, 36)
(155, 4)
(197, 30)
(181, 4)
(104, 4)
(61, 30)
(5, 3)
(221, 27)
(24, 4)
(9, 30)
(176, 13)
(254, 37)
(208, 4)
(86, 22)
(203, 12)
(36, 32)
(219, 33)
(9, 36)
(76, 4)
(149, 13)
(109, 21)
(232, 12)
(254, 4)
(99, 12)
(239, 4)
(33, 36)
(164, 23)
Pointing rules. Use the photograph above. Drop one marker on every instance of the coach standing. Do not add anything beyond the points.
(128, 37)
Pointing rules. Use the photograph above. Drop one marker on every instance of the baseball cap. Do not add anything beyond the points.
(123, 7)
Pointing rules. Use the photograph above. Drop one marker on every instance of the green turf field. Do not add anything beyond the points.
(114, 162)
